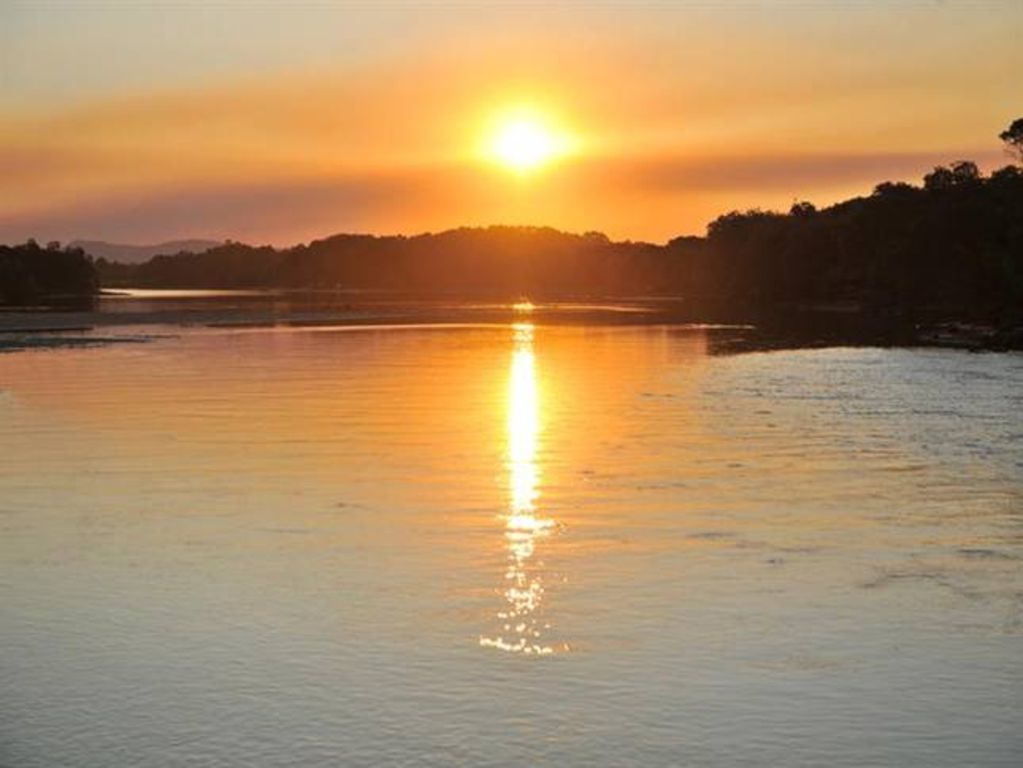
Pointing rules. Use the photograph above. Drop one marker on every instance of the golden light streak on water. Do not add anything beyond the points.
(523, 428)
(522, 628)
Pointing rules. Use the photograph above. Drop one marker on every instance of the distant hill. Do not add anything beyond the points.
(136, 254)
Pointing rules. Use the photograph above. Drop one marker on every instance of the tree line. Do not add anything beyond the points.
(32, 275)
(952, 245)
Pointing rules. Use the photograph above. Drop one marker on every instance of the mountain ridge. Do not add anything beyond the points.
(128, 253)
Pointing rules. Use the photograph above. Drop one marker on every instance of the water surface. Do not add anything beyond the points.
(507, 544)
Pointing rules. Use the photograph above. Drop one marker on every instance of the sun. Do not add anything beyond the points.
(524, 142)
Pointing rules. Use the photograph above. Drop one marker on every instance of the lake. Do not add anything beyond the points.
(507, 543)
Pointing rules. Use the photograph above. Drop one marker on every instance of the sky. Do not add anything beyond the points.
(280, 122)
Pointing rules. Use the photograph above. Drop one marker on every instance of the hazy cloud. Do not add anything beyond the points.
(581, 195)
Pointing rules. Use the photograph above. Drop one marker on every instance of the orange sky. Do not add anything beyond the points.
(277, 123)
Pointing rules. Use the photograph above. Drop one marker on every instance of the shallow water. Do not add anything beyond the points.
(507, 545)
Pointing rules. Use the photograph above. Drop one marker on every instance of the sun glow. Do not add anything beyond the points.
(524, 141)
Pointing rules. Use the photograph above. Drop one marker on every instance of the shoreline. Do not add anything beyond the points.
(729, 334)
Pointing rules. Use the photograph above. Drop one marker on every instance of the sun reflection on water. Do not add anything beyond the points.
(522, 627)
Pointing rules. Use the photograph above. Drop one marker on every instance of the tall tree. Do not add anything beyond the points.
(1013, 138)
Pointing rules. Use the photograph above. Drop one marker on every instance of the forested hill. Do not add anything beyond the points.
(492, 261)
(954, 245)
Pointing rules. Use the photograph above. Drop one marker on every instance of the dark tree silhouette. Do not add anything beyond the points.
(940, 178)
(1013, 138)
(961, 172)
(30, 275)
(894, 189)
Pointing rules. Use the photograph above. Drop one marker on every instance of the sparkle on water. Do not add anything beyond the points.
(522, 628)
